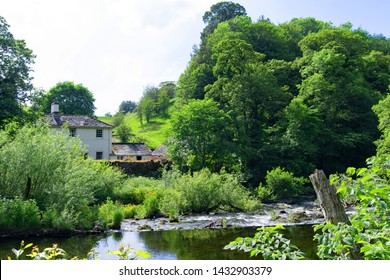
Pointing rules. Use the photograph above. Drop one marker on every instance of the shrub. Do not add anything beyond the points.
(17, 214)
(117, 218)
(110, 214)
(203, 191)
(269, 243)
(171, 204)
(64, 220)
(88, 215)
(135, 190)
(54, 164)
(281, 184)
(151, 204)
(129, 211)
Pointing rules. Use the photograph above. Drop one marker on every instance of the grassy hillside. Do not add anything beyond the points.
(153, 133)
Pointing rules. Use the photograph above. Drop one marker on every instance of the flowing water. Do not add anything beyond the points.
(197, 237)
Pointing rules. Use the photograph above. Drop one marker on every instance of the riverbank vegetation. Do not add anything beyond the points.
(47, 184)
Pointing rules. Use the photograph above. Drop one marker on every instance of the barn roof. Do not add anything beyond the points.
(130, 149)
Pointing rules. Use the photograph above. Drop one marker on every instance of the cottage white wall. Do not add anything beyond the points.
(96, 144)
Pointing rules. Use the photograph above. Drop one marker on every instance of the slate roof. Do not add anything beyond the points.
(160, 151)
(130, 149)
(75, 121)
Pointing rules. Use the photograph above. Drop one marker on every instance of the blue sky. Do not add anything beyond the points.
(118, 47)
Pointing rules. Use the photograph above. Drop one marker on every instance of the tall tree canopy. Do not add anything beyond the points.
(299, 94)
(220, 12)
(201, 136)
(15, 69)
(127, 106)
(73, 99)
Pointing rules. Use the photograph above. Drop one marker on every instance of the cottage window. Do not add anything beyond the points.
(139, 157)
(99, 155)
(72, 132)
(99, 133)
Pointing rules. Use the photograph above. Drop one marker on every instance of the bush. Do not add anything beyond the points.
(17, 214)
(54, 162)
(129, 211)
(281, 184)
(171, 204)
(135, 190)
(203, 191)
(65, 220)
(88, 215)
(110, 214)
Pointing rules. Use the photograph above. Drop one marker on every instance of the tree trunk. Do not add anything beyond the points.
(331, 205)
(28, 189)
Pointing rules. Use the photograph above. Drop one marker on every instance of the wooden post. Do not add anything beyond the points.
(331, 205)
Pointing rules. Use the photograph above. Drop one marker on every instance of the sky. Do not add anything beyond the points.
(116, 48)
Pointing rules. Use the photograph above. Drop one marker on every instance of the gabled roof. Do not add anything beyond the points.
(160, 151)
(56, 120)
(130, 149)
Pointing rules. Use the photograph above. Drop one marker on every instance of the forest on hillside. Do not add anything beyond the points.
(298, 95)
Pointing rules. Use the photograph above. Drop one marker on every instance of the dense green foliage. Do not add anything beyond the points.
(18, 215)
(176, 194)
(50, 169)
(200, 135)
(269, 243)
(73, 99)
(127, 107)
(382, 109)
(298, 94)
(155, 101)
(368, 188)
(370, 226)
(281, 184)
(15, 79)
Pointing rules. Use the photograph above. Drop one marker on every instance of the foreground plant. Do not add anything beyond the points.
(127, 253)
(269, 243)
(55, 253)
(50, 253)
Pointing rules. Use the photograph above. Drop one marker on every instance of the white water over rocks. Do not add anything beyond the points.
(271, 214)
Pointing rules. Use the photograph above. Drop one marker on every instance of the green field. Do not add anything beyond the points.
(153, 133)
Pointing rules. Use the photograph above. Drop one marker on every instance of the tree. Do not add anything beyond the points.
(146, 107)
(250, 94)
(382, 110)
(334, 84)
(123, 131)
(127, 106)
(163, 102)
(15, 80)
(220, 12)
(73, 99)
(201, 136)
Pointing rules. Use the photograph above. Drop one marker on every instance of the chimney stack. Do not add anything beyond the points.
(55, 108)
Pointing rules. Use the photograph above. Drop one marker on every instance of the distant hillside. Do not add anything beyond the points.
(153, 133)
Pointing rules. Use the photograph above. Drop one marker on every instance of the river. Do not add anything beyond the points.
(197, 237)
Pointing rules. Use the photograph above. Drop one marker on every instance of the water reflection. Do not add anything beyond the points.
(199, 244)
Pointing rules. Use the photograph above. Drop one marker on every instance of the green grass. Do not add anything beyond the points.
(153, 133)
(108, 120)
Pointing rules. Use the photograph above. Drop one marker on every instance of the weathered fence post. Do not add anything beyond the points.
(331, 205)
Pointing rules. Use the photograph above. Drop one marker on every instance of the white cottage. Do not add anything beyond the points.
(95, 134)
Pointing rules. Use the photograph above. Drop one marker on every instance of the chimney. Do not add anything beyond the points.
(55, 108)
